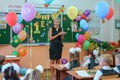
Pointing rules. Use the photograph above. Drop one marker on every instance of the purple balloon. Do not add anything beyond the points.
(78, 18)
(64, 61)
(28, 12)
(16, 28)
(86, 12)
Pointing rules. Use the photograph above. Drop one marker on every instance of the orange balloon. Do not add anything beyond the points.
(22, 51)
(86, 35)
(110, 14)
(22, 35)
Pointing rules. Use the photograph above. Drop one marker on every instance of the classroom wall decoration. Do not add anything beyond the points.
(4, 30)
(94, 24)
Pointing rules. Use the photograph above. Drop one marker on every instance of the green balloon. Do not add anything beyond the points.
(86, 45)
(119, 1)
(15, 53)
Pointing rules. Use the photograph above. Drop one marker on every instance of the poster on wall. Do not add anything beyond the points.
(94, 24)
(2, 21)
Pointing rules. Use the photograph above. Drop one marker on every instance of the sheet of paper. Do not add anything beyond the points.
(83, 73)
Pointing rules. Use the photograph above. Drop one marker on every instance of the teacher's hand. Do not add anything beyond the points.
(62, 33)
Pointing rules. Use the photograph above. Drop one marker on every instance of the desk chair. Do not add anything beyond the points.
(109, 77)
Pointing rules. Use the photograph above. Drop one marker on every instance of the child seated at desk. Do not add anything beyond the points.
(74, 58)
(34, 74)
(74, 61)
(105, 61)
(117, 68)
(92, 61)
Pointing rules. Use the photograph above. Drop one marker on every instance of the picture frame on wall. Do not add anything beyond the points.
(117, 23)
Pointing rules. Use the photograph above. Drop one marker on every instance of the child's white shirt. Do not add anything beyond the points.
(67, 65)
(99, 73)
(116, 69)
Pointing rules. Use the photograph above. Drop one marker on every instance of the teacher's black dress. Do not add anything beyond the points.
(56, 45)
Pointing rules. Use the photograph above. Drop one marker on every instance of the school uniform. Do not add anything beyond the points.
(91, 63)
(117, 69)
(69, 66)
(105, 70)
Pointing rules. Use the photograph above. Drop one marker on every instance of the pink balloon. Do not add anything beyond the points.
(22, 26)
(78, 18)
(28, 12)
(17, 28)
(81, 39)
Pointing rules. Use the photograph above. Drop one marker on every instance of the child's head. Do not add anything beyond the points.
(34, 75)
(105, 60)
(91, 54)
(10, 73)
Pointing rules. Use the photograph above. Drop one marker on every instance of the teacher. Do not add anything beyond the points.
(56, 35)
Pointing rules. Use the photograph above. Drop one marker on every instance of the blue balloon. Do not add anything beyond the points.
(23, 71)
(102, 9)
(85, 26)
(82, 21)
(48, 1)
(20, 19)
(76, 36)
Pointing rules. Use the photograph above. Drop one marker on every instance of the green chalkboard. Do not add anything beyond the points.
(67, 27)
(37, 30)
(4, 30)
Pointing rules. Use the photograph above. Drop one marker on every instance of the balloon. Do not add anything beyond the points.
(86, 45)
(22, 35)
(23, 71)
(16, 28)
(11, 19)
(119, 1)
(78, 18)
(15, 53)
(83, 16)
(28, 12)
(64, 61)
(86, 12)
(72, 12)
(78, 45)
(48, 1)
(76, 36)
(80, 12)
(102, 9)
(22, 26)
(110, 14)
(22, 51)
(84, 25)
(15, 42)
(20, 19)
(86, 35)
(81, 39)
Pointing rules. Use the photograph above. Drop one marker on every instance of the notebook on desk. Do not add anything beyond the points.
(83, 73)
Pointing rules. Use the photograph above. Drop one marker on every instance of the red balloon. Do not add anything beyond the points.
(110, 14)
(11, 19)
(78, 45)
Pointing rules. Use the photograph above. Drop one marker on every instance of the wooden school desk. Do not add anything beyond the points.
(15, 60)
(60, 73)
(76, 76)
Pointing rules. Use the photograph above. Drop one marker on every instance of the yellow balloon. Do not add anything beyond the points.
(72, 12)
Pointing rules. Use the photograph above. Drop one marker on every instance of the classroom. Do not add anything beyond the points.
(27, 35)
